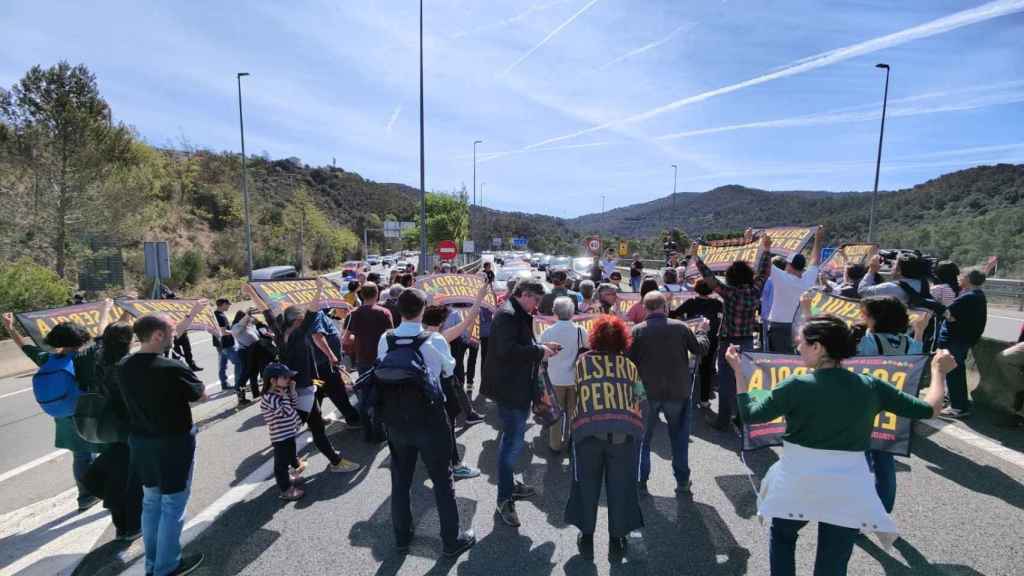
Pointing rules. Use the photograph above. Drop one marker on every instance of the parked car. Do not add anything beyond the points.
(580, 269)
(506, 273)
(544, 261)
(373, 260)
(563, 263)
(275, 273)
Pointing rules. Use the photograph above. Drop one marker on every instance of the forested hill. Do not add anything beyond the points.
(968, 215)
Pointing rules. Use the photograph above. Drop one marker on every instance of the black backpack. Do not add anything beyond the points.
(398, 389)
(938, 310)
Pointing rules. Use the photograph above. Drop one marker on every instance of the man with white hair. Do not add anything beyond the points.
(561, 367)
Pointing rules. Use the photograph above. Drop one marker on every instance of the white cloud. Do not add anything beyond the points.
(393, 119)
(547, 38)
(646, 47)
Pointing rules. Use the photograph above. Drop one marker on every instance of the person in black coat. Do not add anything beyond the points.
(513, 358)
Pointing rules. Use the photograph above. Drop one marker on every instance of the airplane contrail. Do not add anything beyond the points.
(942, 25)
(495, 155)
(532, 9)
(547, 38)
(839, 117)
(393, 119)
(645, 47)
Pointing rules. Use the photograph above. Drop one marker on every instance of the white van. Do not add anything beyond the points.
(275, 273)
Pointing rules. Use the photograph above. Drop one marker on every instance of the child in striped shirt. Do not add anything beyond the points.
(277, 402)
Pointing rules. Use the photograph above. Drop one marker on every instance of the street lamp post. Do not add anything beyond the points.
(878, 160)
(245, 186)
(475, 142)
(482, 184)
(423, 171)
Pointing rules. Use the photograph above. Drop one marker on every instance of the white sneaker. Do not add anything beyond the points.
(465, 471)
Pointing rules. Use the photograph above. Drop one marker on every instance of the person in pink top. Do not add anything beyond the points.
(637, 313)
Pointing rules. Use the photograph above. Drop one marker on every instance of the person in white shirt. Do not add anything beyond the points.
(607, 265)
(562, 366)
(787, 286)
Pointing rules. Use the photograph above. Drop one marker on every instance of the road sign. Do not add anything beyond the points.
(468, 246)
(519, 242)
(594, 244)
(393, 229)
(447, 250)
(157, 260)
(623, 249)
(496, 242)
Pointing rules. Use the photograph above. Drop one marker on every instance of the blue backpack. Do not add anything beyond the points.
(55, 387)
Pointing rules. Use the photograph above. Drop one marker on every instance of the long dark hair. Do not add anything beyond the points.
(948, 273)
(117, 341)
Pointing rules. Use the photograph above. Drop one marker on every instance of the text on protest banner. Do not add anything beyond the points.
(474, 328)
(280, 294)
(605, 397)
(847, 309)
(847, 255)
(176, 310)
(38, 323)
(454, 289)
(719, 258)
(788, 241)
(542, 323)
(891, 433)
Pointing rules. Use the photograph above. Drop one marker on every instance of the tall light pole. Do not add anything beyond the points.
(423, 171)
(245, 186)
(878, 160)
(482, 184)
(602, 203)
(475, 142)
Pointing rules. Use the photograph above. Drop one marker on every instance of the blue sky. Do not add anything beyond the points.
(574, 99)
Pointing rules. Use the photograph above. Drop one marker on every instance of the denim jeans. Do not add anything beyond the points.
(956, 380)
(727, 379)
(163, 517)
(227, 354)
(883, 465)
(513, 429)
(835, 544)
(677, 414)
(634, 283)
(79, 465)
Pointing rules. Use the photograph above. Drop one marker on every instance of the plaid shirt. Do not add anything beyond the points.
(740, 303)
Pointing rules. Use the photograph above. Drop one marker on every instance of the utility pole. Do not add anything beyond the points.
(423, 172)
(602, 203)
(475, 142)
(302, 243)
(878, 159)
(245, 189)
(675, 179)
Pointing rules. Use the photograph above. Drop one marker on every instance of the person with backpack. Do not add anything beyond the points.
(886, 322)
(405, 393)
(62, 377)
(962, 326)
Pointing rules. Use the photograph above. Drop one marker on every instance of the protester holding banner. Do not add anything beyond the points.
(948, 287)
(224, 341)
(511, 381)
(850, 286)
(909, 279)
(830, 415)
(606, 428)
(561, 368)
(705, 305)
(961, 328)
(660, 350)
(741, 294)
(787, 286)
(68, 340)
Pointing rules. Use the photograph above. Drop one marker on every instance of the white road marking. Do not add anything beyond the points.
(49, 537)
(58, 453)
(16, 392)
(975, 440)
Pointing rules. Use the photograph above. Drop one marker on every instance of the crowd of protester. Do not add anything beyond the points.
(416, 364)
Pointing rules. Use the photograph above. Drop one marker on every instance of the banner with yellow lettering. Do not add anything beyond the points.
(719, 258)
(280, 294)
(846, 255)
(788, 241)
(606, 396)
(847, 309)
(176, 310)
(38, 323)
(891, 433)
(455, 289)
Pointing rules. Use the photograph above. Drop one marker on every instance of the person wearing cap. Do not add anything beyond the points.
(787, 286)
(278, 403)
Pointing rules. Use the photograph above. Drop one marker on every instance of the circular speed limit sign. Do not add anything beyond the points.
(594, 244)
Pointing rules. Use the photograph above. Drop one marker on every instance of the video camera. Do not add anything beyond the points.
(890, 256)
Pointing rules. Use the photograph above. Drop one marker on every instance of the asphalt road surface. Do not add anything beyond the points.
(959, 506)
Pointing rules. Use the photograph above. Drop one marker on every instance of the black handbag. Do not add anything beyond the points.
(97, 422)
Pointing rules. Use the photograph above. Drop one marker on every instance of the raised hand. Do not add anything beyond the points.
(9, 322)
(944, 360)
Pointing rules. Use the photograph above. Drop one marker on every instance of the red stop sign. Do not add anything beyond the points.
(447, 250)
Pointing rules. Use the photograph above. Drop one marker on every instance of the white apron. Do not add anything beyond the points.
(833, 486)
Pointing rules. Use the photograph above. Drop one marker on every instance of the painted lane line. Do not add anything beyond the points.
(975, 440)
(49, 537)
(58, 453)
(15, 393)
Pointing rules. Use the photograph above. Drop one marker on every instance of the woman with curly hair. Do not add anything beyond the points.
(607, 429)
